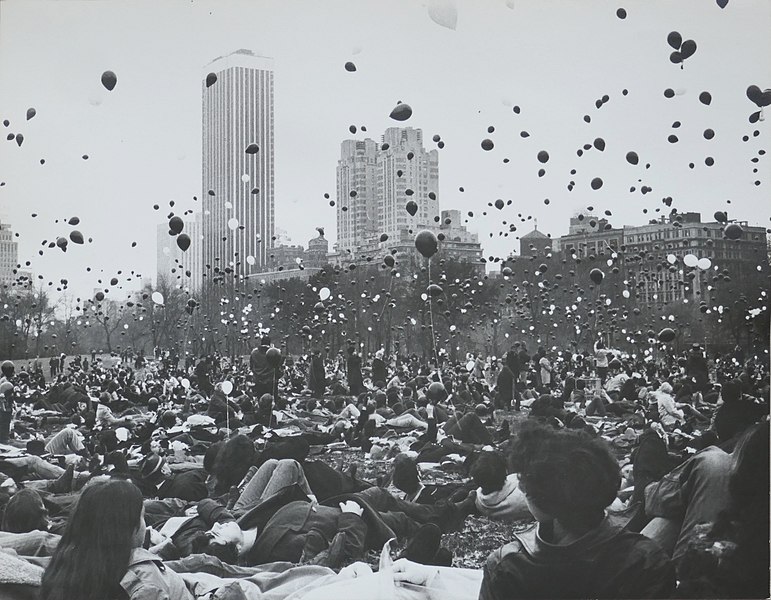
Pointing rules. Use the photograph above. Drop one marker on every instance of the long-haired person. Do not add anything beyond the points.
(100, 555)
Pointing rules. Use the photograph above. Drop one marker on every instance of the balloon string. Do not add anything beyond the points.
(385, 304)
(431, 317)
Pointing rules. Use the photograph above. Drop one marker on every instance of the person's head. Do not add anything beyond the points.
(489, 471)
(565, 475)
(7, 368)
(25, 512)
(221, 541)
(233, 462)
(580, 384)
(731, 390)
(155, 469)
(733, 418)
(94, 552)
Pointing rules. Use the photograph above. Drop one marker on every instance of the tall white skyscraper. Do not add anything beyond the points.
(173, 264)
(406, 171)
(238, 193)
(356, 194)
(9, 255)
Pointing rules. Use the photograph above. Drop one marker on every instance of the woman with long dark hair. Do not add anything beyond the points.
(100, 555)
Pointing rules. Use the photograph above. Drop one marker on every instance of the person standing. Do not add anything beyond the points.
(379, 369)
(317, 375)
(353, 367)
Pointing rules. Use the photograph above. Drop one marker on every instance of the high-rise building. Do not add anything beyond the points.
(176, 266)
(357, 203)
(375, 183)
(406, 171)
(238, 192)
(9, 255)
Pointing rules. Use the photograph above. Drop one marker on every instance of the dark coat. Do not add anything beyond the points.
(188, 485)
(379, 371)
(355, 379)
(608, 562)
(286, 533)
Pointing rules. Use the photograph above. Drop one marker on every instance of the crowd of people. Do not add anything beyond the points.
(628, 475)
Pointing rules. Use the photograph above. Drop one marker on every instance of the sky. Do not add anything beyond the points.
(551, 58)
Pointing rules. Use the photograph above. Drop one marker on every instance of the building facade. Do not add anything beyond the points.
(356, 194)
(176, 266)
(238, 190)
(9, 255)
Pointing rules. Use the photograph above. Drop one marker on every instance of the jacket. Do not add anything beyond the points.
(607, 562)
(188, 485)
(285, 534)
(507, 503)
(148, 578)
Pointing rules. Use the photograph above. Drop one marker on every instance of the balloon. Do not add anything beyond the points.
(596, 275)
(596, 183)
(499, 204)
(383, 237)
(324, 293)
(599, 143)
(666, 335)
(227, 387)
(487, 144)
(252, 149)
(722, 3)
(760, 98)
(621, 13)
(73, 221)
(183, 242)
(704, 263)
(157, 297)
(412, 207)
(401, 112)
(632, 158)
(176, 225)
(233, 224)
(185, 383)
(436, 392)
(669, 93)
(434, 290)
(444, 13)
(389, 260)
(721, 217)
(31, 112)
(705, 98)
(674, 39)
(62, 243)
(690, 260)
(250, 260)
(676, 57)
(350, 67)
(99, 296)
(109, 79)
(671, 259)
(543, 156)
(688, 48)
(426, 243)
(76, 237)
(211, 79)
(273, 356)
(734, 231)
(19, 139)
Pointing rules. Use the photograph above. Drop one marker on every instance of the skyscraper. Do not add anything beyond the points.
(9, 254)
(176, 266)
(374, 185)
(406, 171)
(357, 209)
(238, 195)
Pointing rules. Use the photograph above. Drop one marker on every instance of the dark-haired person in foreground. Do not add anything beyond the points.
(100, 555)
(574, 551)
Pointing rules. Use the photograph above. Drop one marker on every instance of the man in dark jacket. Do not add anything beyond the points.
(317, 375)
(265, 375)
(157, 480)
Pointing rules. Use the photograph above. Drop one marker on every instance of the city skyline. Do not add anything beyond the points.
(111, 156)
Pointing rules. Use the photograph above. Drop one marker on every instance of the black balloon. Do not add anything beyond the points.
(667, 335)
(674, 39)
(721, 217)
(401, 112)
(176, 225)
(76, 237)
(487, 144)
(252, 149)
(350, 67)
(543, 156)
(273, 357)
(705, 98)
(183, 242)
(426, 243)
(632, 158)
(734, 231)
(412, 207)
(211, 79)
(596, 275)
(688, 48)
(109, 80)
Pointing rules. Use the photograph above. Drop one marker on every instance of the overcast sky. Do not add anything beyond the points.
(553, 59)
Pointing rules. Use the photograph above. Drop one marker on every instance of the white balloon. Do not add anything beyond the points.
(690, 260)
(671, 259)
(245, 178)
(157, 298)
(122, 434)
(324, 293)
(470, 366)
(227, 387)
(704, 263)
(228, 204)
(233, 224)
(185, 383)
(625, 293)
(250, 260)
(444, 13)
